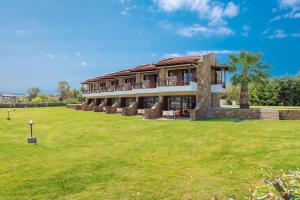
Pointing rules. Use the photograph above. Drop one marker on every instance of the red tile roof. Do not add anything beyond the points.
(146, 67)
(178, 60)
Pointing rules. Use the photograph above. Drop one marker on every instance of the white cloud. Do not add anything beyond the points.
(23, 32)
(124, 12)
(291, 9)
(172, 55)
(201, 52)
(289, 3)
(219, 52)
(278, 34)
(83, 64)
(295, 35)
(213, 10)
(197, 29)
(246, 30)
(281, 34)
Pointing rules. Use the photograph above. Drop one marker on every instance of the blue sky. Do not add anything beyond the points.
(45, 41)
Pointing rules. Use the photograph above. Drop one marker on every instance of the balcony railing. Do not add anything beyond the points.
(219, 82)
(171, 81)
(144, 85)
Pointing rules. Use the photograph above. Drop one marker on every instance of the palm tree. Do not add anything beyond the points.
(247, 68)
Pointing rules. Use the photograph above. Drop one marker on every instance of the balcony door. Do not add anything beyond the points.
(184, 104)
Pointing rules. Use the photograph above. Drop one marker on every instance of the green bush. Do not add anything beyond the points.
(71, 101)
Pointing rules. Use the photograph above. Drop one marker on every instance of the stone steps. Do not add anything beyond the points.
(269, 114)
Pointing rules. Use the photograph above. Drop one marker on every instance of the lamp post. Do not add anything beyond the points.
(8, 117)
(31, 139)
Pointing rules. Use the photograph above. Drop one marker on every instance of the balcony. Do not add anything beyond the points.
(142, 88)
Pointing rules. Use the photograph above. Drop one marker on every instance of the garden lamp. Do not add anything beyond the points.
(8, 117)
(31, 139)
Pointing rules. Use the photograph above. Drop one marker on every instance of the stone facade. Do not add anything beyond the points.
(130, 110)
(215, 100)
(100, 107)
(112, 109)
(289, 114)
(154, 112)
(90, 107)
(203, 96)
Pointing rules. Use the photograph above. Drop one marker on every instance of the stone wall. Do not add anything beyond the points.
(100, 107)
(215, 100)
(130, 110)
(89, 107)
(289, 114)
(80, 106)
(112, 109)
(236, 113)
(154, 112)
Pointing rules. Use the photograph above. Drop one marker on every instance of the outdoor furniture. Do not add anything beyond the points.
(141, 112)
(169, 113)
(119, 110)
(177, 114)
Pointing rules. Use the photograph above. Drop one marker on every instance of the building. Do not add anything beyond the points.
(9, 97)
(175, 87)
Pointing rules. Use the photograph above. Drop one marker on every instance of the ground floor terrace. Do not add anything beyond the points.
(169, 106)
(89, 155)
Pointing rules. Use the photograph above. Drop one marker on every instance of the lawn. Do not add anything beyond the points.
(88, 155)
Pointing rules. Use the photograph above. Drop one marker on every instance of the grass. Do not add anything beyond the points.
(87, 155)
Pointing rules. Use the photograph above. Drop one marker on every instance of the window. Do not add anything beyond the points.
(150, 101)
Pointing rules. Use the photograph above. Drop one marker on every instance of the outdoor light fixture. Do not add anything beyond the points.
(31, 139)
(8, 117)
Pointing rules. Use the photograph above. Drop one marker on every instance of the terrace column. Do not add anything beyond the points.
(203, 96)
(162, 75)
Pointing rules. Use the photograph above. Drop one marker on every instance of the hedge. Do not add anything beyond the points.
(31, 105)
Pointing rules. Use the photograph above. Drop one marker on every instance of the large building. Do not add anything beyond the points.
(175, 87)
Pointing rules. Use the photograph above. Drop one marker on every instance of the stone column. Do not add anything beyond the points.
(162, 74)
(203, 96)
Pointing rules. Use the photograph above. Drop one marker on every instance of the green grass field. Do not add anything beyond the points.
(87, 155)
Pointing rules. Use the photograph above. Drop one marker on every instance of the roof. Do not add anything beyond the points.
(178, 60)
(109, 76)
(146, 67)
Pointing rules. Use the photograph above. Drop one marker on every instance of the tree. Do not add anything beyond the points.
(44, 97)
(33, 92)
(63, 90)
(233, 93)
(37, 100)
(247, 68)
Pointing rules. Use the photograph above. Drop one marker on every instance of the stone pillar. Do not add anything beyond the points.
(203, 96)
(162, 74)
(138, 78)
(121, 81)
